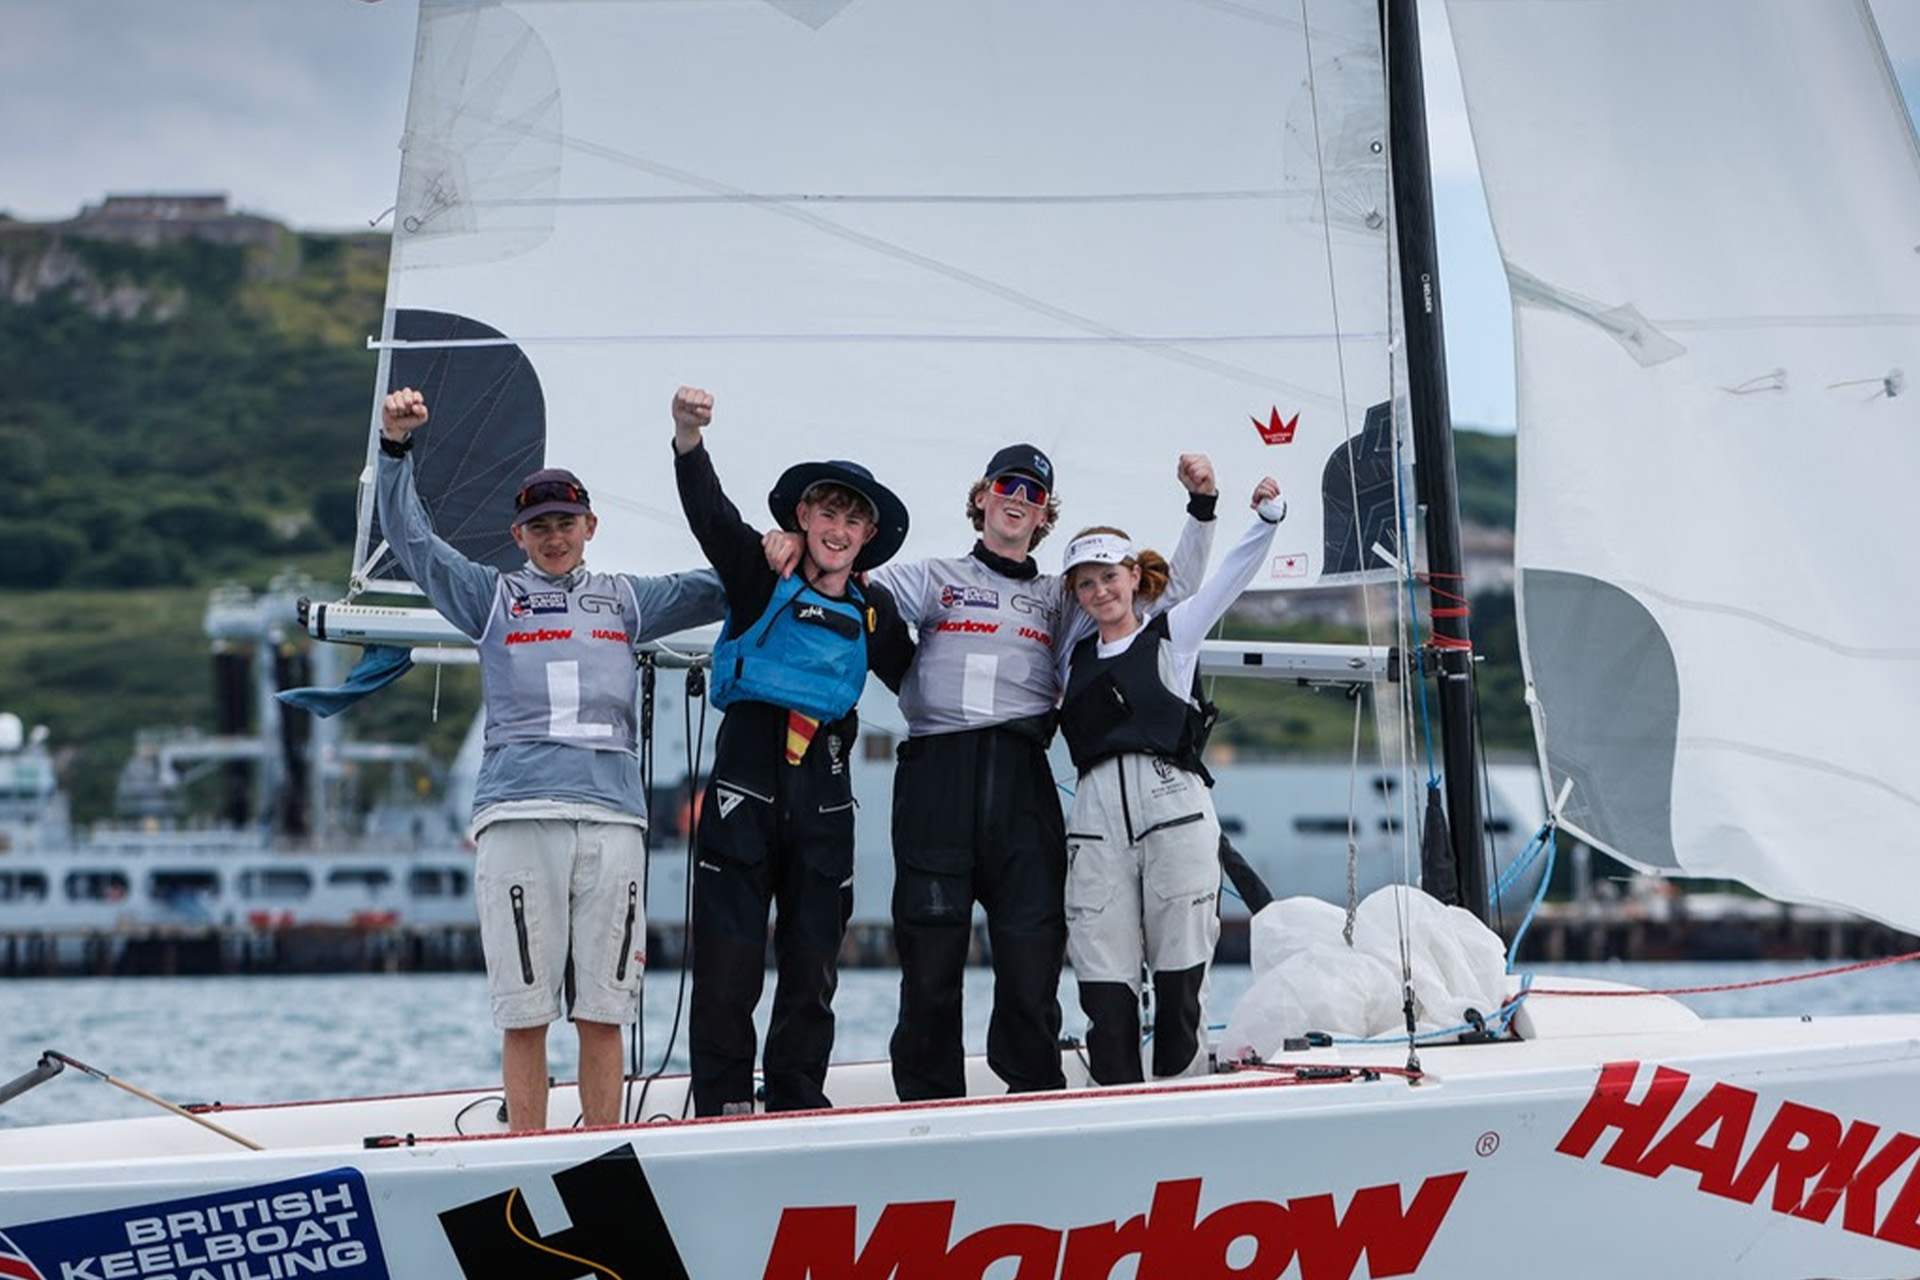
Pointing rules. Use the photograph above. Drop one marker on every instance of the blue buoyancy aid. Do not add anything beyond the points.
(806, 652)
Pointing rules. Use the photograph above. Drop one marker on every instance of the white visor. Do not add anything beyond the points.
(1097, 548)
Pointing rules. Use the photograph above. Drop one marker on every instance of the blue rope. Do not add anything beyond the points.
(1546, 878)
(1518, 868)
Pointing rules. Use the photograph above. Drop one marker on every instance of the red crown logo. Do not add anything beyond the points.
(1274, 431)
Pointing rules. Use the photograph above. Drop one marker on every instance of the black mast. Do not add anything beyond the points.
(1433, 442)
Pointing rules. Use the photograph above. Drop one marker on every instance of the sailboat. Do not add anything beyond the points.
(908, 231)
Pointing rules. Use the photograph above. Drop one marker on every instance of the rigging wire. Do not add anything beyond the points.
(637, 1033)
(695, 732)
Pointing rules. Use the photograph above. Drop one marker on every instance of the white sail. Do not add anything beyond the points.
(902, 233)
(1709, 214)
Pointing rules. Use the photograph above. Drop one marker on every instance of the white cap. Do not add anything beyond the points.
(1097, 548)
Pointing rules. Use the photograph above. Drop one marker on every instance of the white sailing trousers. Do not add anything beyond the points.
(1143, 889)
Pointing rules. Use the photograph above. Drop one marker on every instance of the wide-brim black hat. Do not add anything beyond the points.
(891, 512)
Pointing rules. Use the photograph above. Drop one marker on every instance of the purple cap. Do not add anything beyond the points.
(547, 492)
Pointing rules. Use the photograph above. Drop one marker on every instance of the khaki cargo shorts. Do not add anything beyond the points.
(552, 891)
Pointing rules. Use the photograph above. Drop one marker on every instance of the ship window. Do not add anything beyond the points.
(876, 747)
(170, 885)
(365, 877)
(275, 882)
(436, 882)
(22, 886)
(1320, 826)
(1233, 826)
(96, 886)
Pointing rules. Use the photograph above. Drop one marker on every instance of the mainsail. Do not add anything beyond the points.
(1715, 268)
(906, 233)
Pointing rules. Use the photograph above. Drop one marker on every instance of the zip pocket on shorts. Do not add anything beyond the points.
(518, 896)
(626, 933)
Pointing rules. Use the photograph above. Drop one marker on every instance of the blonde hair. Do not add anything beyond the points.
(1154, 573)
(1040, 530)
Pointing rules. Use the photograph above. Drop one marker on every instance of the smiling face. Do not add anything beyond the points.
(1105, 591)
(556, 544)
(838, 525)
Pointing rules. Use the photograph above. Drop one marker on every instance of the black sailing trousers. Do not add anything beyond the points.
(976, 818)
(779, 838)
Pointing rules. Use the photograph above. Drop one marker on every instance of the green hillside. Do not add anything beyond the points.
(177, 417)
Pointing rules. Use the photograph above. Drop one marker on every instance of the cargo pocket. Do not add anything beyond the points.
(824, 831)
(932, 816)
(1189, 868)
(1090, 879)
(734, 822)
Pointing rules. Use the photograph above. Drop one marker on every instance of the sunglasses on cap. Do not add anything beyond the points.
(549, 491)
(1024, 488)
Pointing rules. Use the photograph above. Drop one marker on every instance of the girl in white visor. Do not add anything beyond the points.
(1143, 871)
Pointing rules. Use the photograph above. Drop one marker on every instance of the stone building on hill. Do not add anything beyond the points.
(156, 219)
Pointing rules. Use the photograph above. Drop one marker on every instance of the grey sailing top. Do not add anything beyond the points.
(556, 660)
(994, 647)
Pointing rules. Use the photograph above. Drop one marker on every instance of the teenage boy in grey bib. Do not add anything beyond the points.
(559, 815)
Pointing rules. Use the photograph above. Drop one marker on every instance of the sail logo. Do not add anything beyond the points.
(318, 1225)
(615, 1228)
(1815, 1162)
(1276, 431)
(956, 596)
(1250, 1239)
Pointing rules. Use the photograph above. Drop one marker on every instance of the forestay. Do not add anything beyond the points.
(905, 232)
(1710, 218)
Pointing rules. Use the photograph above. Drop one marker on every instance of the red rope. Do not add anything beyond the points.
(1456, 607)
(1734, 986)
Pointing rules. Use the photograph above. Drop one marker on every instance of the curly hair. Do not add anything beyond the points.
(979, 517)
(1154, 573)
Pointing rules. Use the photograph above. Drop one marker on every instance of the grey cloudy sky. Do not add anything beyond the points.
(294, 109)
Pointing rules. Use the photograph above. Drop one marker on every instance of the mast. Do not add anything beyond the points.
(1433, 442)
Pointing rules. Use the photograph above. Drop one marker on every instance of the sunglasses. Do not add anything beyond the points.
(549, 491)
(1024, 488)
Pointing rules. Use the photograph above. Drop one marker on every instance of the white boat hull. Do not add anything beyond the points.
(1621, 1138)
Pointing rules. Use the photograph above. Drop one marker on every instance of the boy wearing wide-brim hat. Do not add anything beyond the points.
(776, 821)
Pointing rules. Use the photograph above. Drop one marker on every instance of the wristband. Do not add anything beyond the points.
(396, 448)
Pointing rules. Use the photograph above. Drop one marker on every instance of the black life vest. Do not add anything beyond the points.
(1118, 705)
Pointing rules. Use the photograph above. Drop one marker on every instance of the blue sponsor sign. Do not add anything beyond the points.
(317, 1225)
(957, 596)
(534, 602)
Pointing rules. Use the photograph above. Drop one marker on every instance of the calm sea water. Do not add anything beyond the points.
(262, 1039)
